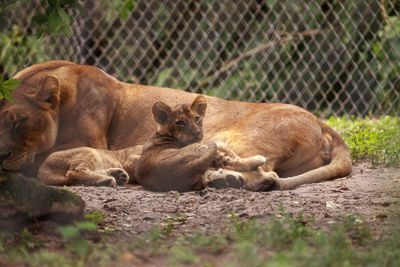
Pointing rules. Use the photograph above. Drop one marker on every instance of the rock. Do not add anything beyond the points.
(24, 201)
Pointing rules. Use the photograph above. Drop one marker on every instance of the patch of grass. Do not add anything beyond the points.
(277, 234)
(285, 240)
(288, 241)
(44, 257)
(377, 140)
(355, 229)
(255, 242)
(151, 240)
(180, 254)
(74, 239)
(155, 241)
(20, 244)
(103, 254)
(24, 249)
(386, 252)
(211, 243)
(96, 217)
(171, 221)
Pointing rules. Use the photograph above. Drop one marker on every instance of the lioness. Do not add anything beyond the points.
(89, 166)
(173, 158)
(62, 105)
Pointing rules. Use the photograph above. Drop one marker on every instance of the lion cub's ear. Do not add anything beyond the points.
(48, 96)
(161, 111)
(200, 105)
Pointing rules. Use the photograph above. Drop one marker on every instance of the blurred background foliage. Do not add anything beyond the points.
(331, 57)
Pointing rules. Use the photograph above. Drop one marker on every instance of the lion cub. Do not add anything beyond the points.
(89, 166)
(174, 159)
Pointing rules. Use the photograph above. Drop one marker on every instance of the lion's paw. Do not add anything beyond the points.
(223, 179)
(120, 175)
(216, 179)
(268, 182)
(235, 180)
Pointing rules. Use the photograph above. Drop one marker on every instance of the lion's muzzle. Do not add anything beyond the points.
(14, 162)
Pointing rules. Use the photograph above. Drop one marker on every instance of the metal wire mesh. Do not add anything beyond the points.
(330, 57)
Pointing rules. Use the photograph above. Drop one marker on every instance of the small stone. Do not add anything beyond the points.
(381, 216)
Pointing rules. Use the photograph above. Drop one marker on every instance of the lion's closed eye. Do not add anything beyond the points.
(18, 125)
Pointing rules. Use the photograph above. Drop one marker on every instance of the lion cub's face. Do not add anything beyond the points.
(184, 122)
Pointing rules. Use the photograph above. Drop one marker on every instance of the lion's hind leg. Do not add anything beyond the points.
(54, 169)
(52, 174)
(256, 180)
(235, 172)
(88, 177)
(229, 160)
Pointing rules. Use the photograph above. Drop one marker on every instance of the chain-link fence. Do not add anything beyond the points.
(331, 57)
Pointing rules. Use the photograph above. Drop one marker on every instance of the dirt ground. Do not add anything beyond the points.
(372, 193)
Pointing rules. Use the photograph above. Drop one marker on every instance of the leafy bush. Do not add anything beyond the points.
(55, 19)
(388, 71)
(17, 50)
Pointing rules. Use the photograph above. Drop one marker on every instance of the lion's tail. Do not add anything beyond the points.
(339, 166)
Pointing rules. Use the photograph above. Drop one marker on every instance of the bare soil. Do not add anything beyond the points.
(374, 194)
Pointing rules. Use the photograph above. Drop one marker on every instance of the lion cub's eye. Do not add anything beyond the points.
(181, 123)
(197, 119)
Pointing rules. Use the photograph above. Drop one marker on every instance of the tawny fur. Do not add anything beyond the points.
(61, 105)
(173, 157)
(89, 166)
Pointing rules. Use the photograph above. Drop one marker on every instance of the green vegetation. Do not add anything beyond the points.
(17, 49)
(95, 217)
(55, 19)
(284, 241)
(292, 51)
(377, 140)
(6, 87)
(72, 235)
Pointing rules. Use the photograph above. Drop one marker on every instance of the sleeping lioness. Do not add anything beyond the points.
(61, 105)
(173, 157)
(89, 166)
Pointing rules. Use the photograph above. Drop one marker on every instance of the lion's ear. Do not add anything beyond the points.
(161, 111)
(200, 105)
(48, 96)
